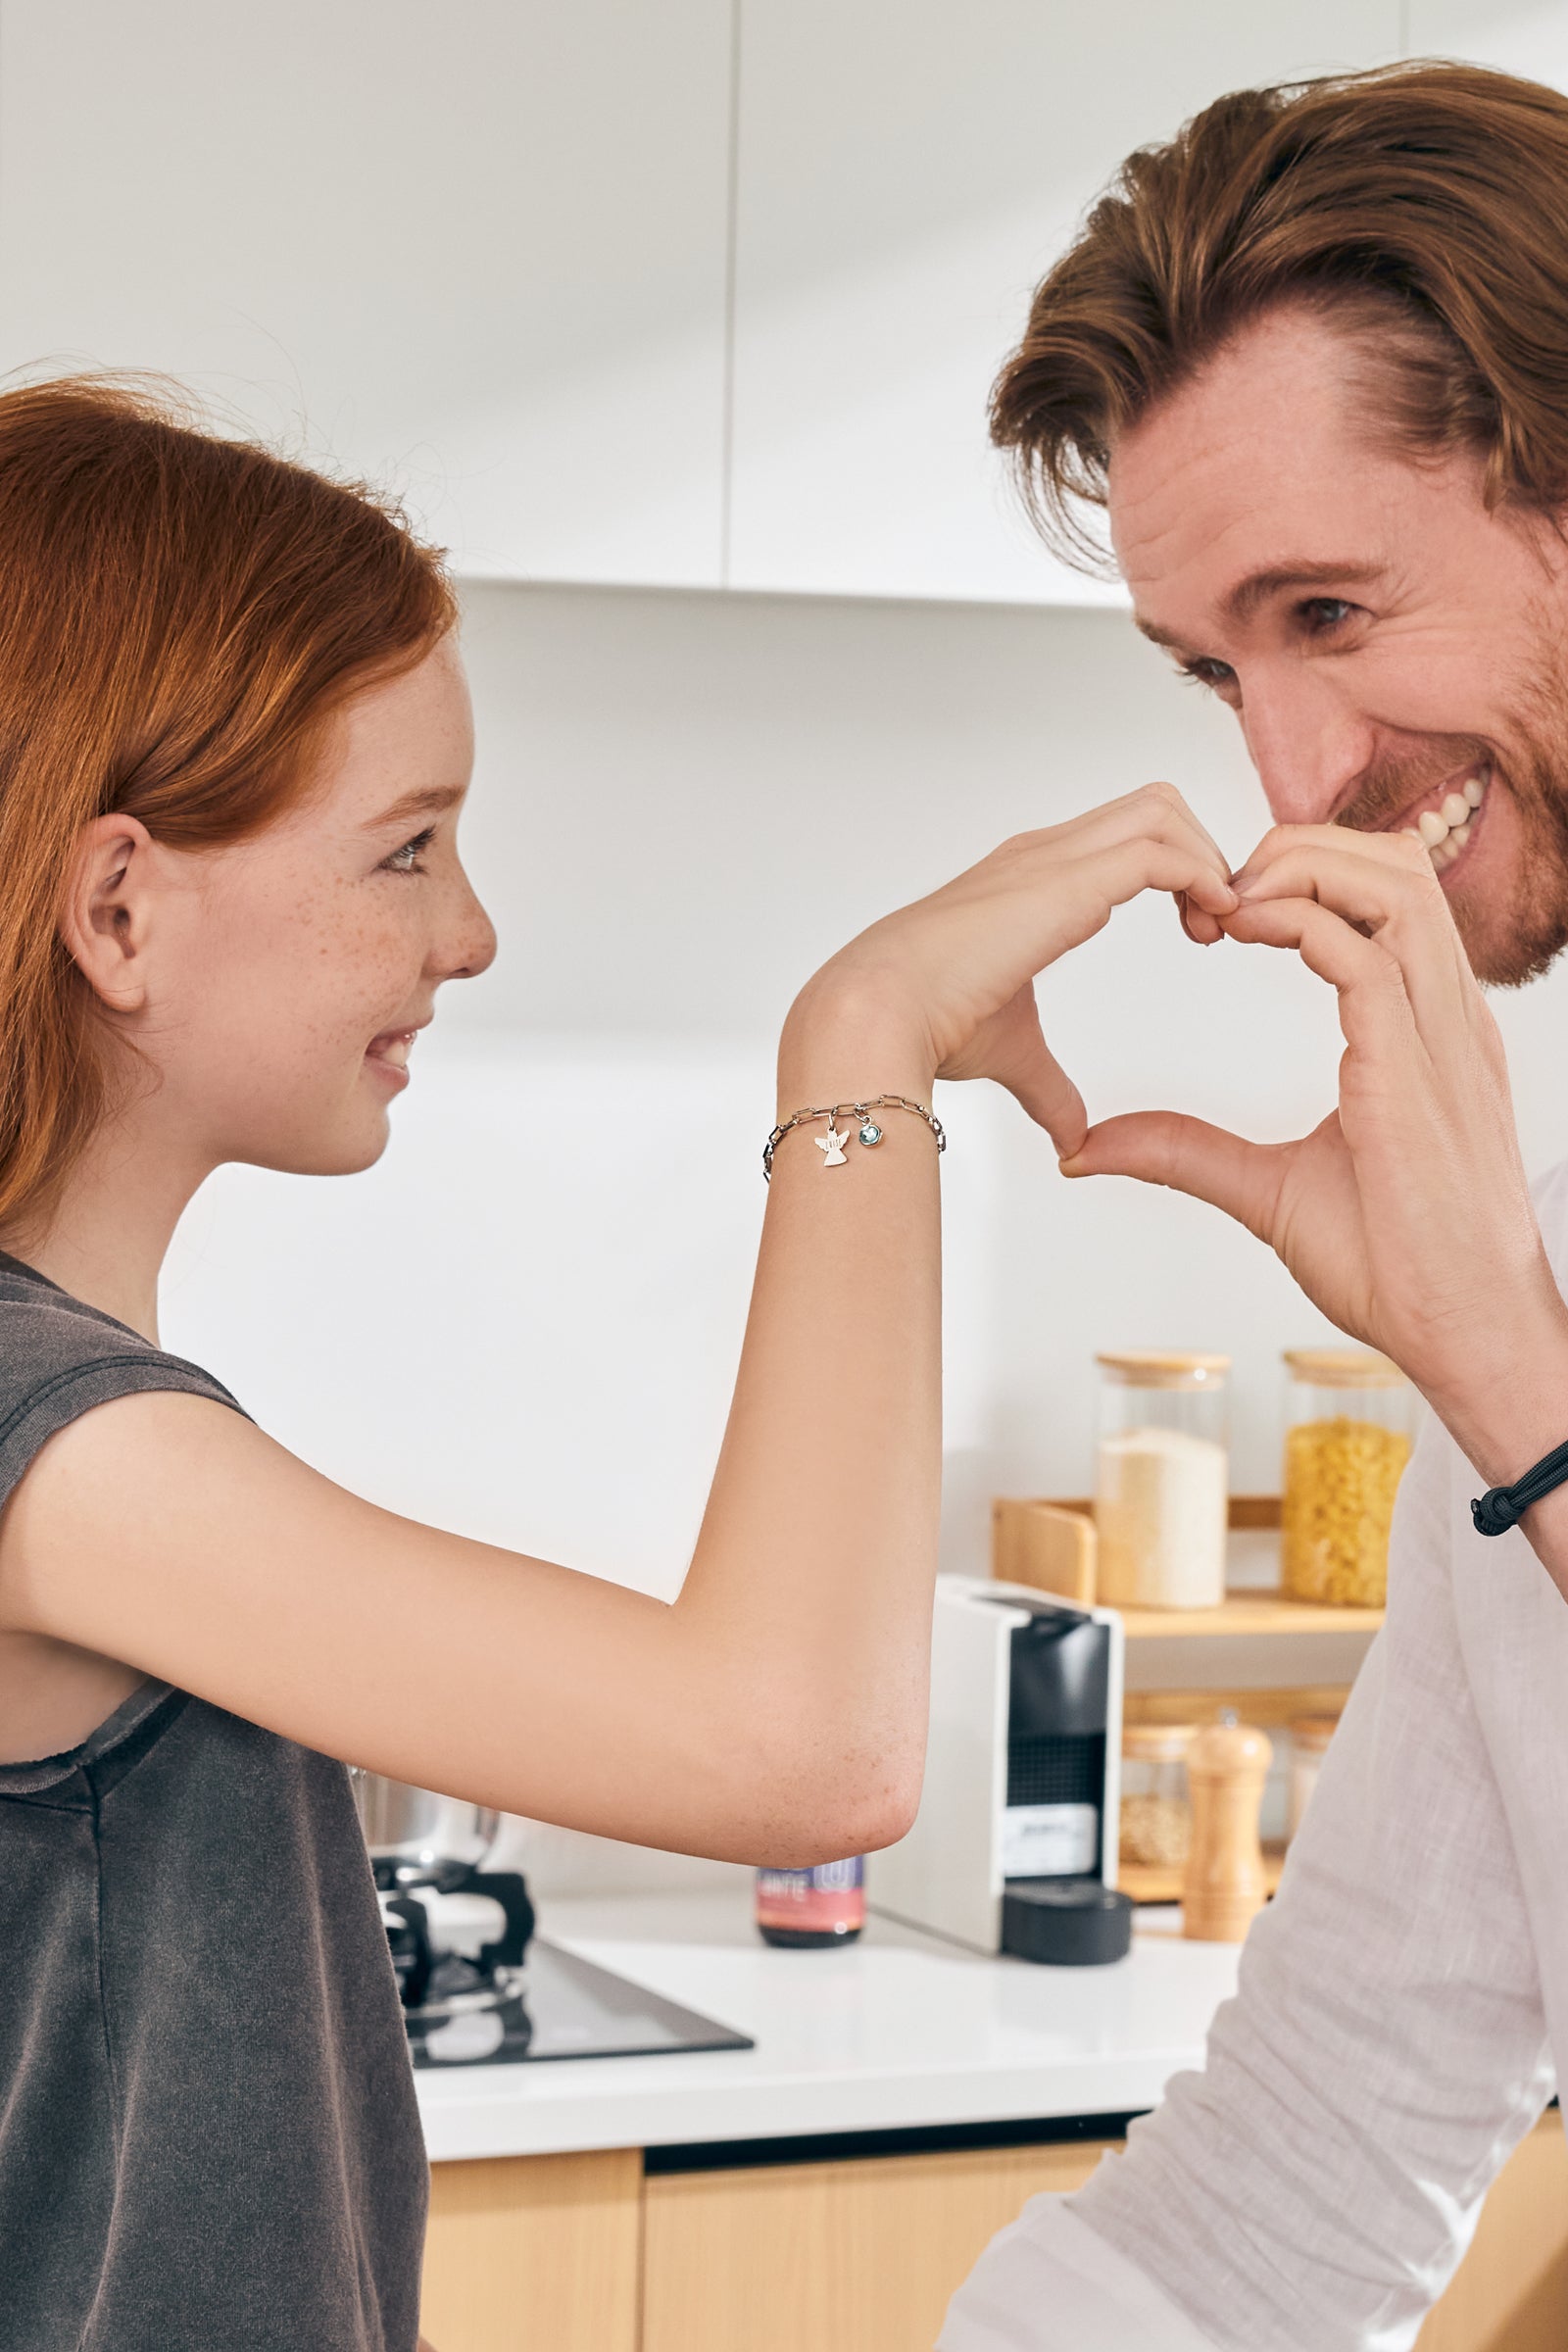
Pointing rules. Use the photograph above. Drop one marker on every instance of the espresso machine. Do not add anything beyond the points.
(1014, 1847)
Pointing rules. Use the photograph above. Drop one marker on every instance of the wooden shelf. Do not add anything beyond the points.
(1050, 1546)
(1248, 1612)
(1271, 1708)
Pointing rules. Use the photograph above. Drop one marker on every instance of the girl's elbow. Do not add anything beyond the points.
(839, 1819)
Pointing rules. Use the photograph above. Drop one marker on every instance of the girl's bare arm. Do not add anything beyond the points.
(775, 1712)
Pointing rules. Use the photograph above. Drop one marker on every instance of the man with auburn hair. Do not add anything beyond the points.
(1311, 360)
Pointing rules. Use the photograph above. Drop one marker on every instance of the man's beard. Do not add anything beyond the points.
(1510, 943)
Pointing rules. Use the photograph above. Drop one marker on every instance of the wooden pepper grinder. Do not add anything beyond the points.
(1222, 1892)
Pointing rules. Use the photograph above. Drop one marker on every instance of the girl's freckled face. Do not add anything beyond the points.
(281, 960)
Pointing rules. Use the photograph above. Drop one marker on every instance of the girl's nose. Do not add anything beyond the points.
(473, 941)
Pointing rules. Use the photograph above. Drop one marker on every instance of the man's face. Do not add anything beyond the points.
(1397, 656)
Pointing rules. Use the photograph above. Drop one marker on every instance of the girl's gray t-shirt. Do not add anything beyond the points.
(209, 2139)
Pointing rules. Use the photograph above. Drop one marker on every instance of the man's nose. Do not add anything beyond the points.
(1307, 743)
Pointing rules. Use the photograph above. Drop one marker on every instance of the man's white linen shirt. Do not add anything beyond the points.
(1400, 2001)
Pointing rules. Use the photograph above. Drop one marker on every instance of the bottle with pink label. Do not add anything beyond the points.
(806, 1909)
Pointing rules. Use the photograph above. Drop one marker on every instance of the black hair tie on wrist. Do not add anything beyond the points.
(1502, 1507)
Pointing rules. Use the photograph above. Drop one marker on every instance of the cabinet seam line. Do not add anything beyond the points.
(731, 238)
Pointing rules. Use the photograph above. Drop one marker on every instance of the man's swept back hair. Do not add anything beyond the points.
(1424, 206)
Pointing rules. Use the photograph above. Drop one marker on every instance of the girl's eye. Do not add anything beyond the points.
(405, 860)
(1204, 671)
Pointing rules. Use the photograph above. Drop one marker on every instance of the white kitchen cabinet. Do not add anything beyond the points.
(1521, 36)
(480, 249)
(907, 170)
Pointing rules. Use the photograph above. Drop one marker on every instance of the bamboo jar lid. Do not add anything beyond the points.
(1162, 1368)
(1157, 1743)
(1344, 1368)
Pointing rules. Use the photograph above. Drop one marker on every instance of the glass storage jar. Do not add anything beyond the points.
(1309, 1741)
(1157, 1818)
(1162, 1483)
(1348, 1420)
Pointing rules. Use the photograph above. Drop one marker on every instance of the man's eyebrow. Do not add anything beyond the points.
(1246, 596)
(426, 800)
(1159, 636)
(1257, 587)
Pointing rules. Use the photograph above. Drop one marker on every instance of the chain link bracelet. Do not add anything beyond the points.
(869, 1132)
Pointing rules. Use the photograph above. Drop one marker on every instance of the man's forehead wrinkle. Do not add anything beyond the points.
(1194, 574)
(1183, 509)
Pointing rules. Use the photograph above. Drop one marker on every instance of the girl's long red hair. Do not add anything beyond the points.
(180, 614)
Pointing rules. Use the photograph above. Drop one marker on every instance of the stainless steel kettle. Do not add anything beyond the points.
(419, 1839)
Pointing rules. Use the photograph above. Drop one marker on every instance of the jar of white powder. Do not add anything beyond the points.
(1161, 1482)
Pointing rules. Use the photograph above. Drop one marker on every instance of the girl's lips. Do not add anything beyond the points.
(388, 1055)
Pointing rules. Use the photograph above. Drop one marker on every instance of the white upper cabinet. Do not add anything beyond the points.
(480, 248)
(908, 168)
(1521, 36)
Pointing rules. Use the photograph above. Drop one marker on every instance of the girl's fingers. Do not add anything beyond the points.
(1040, 1083)
(1014, 1053)
(1151, 863)
(1164, 1146)
(1156, 812)
(1201, 928)
(1045, 913)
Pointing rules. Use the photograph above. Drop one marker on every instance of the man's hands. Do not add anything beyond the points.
(1406, 1216)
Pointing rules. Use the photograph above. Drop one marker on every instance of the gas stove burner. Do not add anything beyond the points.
(429, 1977)
(458, 1989)
(517, 1998)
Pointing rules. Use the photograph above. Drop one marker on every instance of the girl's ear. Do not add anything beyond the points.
(106, 916)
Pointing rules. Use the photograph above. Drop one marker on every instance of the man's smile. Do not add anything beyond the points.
(1446, 816)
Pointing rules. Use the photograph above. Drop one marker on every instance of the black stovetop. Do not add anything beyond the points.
(558, 2006)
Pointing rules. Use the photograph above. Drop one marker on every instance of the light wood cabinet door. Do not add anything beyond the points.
(1511, 2292)
(868, 2253)
(864, 2253)
(534, 2254)
(479, 251)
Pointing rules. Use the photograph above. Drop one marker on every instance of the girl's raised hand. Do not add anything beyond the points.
(960, 966)
(1406, 1215)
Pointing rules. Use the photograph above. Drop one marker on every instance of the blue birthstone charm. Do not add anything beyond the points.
(870, 1133)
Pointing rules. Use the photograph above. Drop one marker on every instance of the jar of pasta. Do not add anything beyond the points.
(1350, 1417)
(1162, 1483)
(1156, 1819)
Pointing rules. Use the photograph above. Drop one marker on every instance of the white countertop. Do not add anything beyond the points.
(898, 2031)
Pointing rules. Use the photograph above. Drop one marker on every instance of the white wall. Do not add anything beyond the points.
(523, 1323)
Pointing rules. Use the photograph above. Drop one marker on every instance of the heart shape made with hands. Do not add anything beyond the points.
(1363, 1210)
